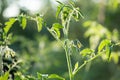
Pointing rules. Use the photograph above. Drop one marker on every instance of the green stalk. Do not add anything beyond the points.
(66, 47)
(69, 64)
(68, 57)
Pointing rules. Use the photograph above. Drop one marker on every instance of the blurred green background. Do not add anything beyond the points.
(41, 53)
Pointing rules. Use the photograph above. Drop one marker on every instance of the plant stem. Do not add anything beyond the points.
(68, 22)
(66, 47)
(69, 63)
(85, 62)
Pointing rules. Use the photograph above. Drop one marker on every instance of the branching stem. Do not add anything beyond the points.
(85, 62)
(66, 47)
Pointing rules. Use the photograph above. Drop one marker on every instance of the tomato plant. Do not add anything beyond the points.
(60, 31)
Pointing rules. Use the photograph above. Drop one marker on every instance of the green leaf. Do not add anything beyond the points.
(77, 14)
(103, 44)
(5, 76)
(31, 78)
(39, 23)
(9, 24)
(24, 22)
(108, 51)
(42, 76)
(106, 45)
(55, 76)
(59, 9)
(59, 2)
(86, 51)
(39, 75)
(57, 32)
(57, 25)
(76, 66)
(19, 76)
(56, 28)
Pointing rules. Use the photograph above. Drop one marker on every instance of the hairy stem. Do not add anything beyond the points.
(68, 22)
(66, 48)
(69, 64)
